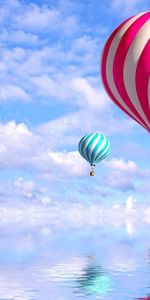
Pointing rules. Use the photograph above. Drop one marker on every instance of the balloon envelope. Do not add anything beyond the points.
(125, 68)
(94, 147)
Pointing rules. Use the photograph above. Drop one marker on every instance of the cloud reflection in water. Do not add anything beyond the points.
(74, 256)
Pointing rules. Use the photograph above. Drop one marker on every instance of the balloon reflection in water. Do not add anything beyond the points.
(147, 298)
(94, 281)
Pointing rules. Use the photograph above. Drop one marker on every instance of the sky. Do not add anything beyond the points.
(51, 94)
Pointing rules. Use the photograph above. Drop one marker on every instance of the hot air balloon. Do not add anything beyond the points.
(125, 68)
(94, 147)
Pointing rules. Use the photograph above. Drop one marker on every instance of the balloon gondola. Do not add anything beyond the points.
(125, 68)
(94, 147)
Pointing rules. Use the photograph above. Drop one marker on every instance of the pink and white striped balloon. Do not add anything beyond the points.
(125, 68)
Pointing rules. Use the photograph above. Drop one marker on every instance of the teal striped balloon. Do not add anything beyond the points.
(94, 147)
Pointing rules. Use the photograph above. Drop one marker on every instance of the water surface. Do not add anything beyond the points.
(43, 260)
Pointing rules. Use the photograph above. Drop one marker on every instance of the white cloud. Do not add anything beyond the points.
(47, 53)
(19, 37)
(39, 18)
(21, 66)
(42, 149)
(26, 188)
(122, 174)
(122, 166)
(35, 17)
(70, 164)
(16, 144)
(89, 96)
(80, 90)
(57, 88)
(12, 92)
(23, 63)
(70, 25)
(46, 200)
(129, 209)
(53, 213)
(17, 54)
(118, 4)
(21, 148)
(128, 8)
(84, 43)
(55, 165)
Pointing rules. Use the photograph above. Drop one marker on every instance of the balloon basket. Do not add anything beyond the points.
(92, 173)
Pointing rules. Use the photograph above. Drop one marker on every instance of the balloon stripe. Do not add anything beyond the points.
(86, 142)
(142, 82)
(132, 60)
(83, 141)
(82, 144)
(102, 150)
(149, 93)
(107, 67)
(101, 146)
(90, 145)
(94, 145)
(104, 154)
(94, 152)
(119, 60)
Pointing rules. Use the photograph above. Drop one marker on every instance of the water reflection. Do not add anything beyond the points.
(41, 261)
(67, 270)
(146, 298)
(94, 281)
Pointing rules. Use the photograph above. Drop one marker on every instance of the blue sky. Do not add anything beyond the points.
(51, 94)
